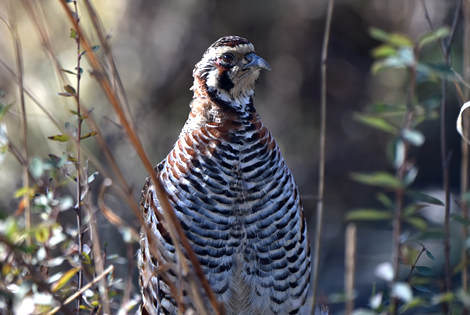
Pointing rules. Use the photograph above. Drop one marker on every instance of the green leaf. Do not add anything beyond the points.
(413, 137)
(383, 51)
(86, 259)
(430, 255)
(465, 197)
(24, 191)
(417, 222)
(378, 66)
(436, 234)
(376, 122)
(415, 302)
(402, 59)
(436, 35)
(73, 33)
(71, 158)
(411, 209)
(66, 94)
(380, 179)
(422, 288)
(443, 298)
(368, 215)
(385, 200)
(68, 71)
(440, 70)
(4, 109)
(60, 138)
(95, 48)
(70, 89)
(424, 271)
(418, 196)
(378, 34)
(64, 279)
(460, 219)
(42, 234)
(400, 40)
(56, 162)
(88, 135)
(82, 116)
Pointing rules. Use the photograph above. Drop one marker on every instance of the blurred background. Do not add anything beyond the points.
(157, 43)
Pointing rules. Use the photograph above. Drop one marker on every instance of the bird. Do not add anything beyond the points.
(234, 195)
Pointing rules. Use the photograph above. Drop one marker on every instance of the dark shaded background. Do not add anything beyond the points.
(157, 43)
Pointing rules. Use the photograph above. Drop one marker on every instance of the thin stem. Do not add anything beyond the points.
(78, 208)
(445, 176)
(445, 47)
(400, 192)
(98, 26)
(413, 267)
(465, 150)
(97, 255)
(321, 163)
(24, 122)
(444, 155)
(396, 236)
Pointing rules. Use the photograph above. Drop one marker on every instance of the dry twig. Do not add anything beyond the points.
(22, 105)
(321, 162)
(350, 266)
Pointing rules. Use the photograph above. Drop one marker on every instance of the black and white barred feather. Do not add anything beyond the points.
(234, 195)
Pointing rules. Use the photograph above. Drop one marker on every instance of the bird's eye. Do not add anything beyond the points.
(227, 58)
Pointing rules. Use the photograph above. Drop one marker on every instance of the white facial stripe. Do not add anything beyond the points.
(211, 80)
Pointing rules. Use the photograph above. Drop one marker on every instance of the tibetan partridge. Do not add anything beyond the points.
(234, 195)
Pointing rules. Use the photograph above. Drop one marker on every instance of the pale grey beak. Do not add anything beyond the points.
(255, 61)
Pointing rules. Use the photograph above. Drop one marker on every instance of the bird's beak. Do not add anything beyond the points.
(255, 61)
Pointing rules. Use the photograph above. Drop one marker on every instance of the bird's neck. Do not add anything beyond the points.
(210, 108)
(236, 102)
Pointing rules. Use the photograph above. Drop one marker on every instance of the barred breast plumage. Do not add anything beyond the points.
(234, 195)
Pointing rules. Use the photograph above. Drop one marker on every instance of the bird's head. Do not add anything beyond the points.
(228, 71)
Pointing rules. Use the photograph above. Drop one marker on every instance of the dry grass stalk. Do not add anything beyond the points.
(32, 9)
(82, 290)
(175, 230)
(321, 162)
(22, 109)
(350, 266)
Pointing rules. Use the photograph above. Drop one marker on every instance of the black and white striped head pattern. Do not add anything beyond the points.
(228, 71)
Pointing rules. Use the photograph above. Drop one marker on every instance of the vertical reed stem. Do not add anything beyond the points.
(350, 266)
(321, 163)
